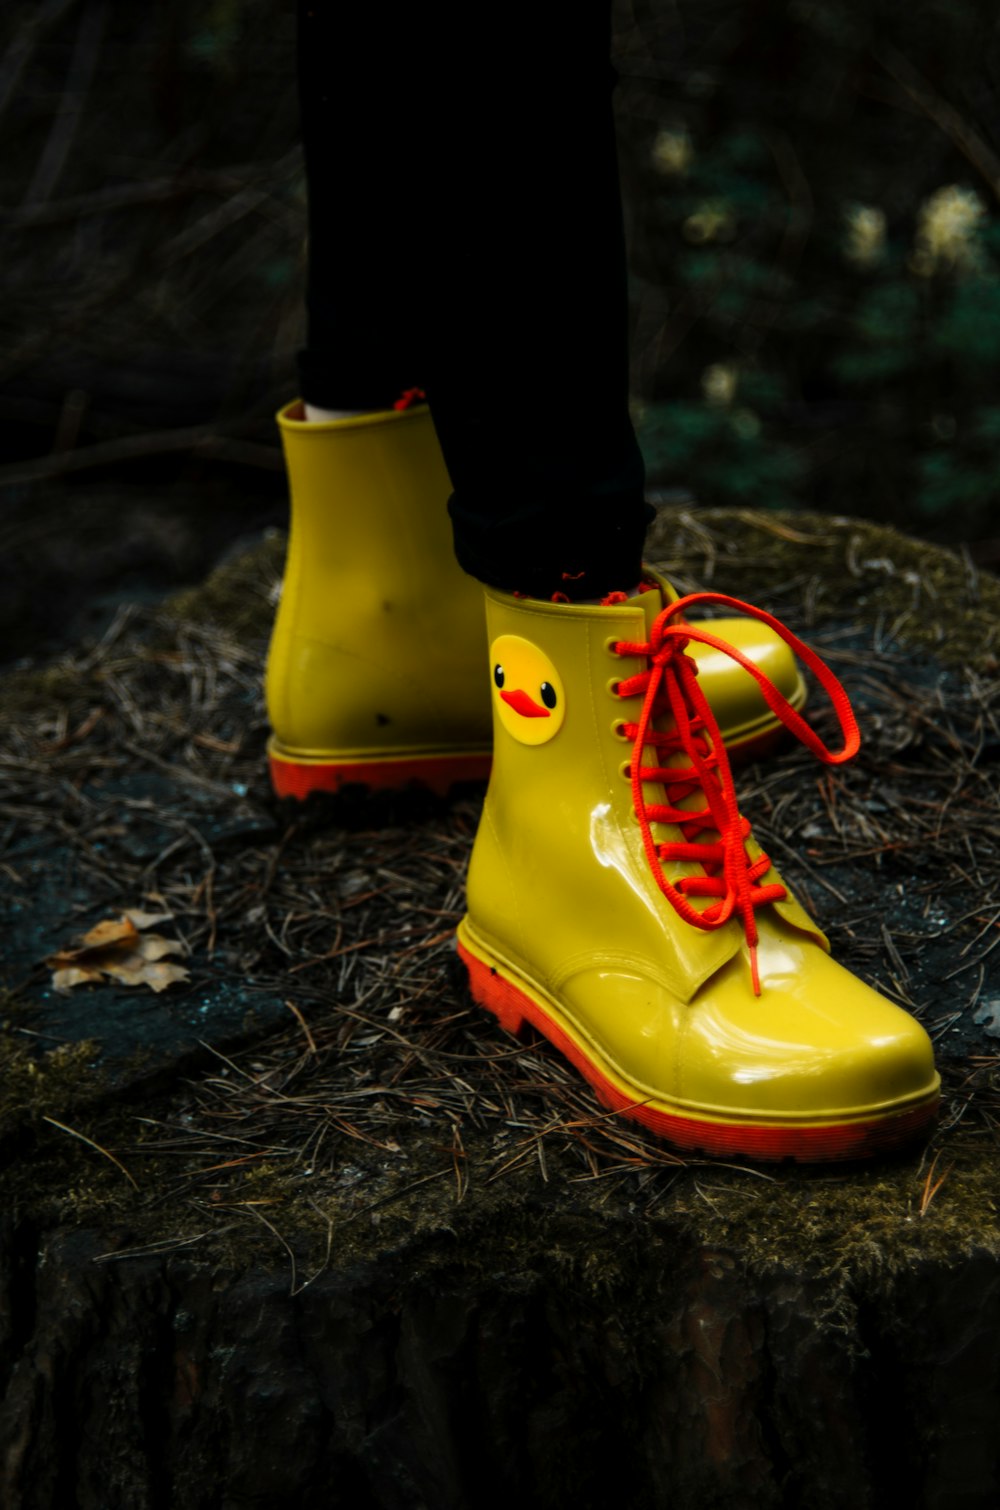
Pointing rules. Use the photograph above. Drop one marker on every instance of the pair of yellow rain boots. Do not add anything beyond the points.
(617, 901)
(375, 673)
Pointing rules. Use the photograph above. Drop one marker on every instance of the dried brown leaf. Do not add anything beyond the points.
(146, 919)
(133, 970)
(64, 957)
(65, 979)
(154, 947)
(107, 931)
(114, 950)
(162, 974)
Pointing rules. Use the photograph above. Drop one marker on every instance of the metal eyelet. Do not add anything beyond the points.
(618, 729)
(625, 769)
(613, 686)
(609, 645)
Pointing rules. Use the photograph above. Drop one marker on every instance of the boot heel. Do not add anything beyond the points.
(433, 773)
(489, 989)
(511, 1019)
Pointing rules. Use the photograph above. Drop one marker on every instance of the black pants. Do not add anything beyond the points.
(466, 237)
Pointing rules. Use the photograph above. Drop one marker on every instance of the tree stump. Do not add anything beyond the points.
(306, 1229)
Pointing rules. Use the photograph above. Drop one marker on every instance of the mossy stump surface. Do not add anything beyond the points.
(308, 1230)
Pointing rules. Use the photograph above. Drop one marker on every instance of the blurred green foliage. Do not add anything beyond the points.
(812, 196)
(813, 204)
(220, 27)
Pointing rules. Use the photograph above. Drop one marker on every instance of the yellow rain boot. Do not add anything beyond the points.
(618, 903)
(375, 672)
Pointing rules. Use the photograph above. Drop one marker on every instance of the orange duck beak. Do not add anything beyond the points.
(523, 704)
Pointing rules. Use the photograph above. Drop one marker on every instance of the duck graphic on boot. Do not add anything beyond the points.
(530, 692)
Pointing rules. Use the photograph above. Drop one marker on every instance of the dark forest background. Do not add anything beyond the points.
(813, 201)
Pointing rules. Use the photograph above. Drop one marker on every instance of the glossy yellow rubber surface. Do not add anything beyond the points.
(562, 905)
(379, 644)
(375, 671)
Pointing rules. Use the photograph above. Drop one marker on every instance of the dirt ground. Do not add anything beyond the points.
(322, 1035)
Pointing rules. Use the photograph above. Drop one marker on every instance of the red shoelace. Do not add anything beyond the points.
(409, 397)
(670, 686)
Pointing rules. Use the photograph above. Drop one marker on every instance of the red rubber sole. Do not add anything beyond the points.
(435, 773)
(767, 1142)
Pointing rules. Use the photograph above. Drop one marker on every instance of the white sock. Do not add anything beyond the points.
(316, 416)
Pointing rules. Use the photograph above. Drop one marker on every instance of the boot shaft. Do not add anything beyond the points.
(379, 642)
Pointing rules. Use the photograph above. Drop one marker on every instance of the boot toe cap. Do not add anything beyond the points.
(822, 1048)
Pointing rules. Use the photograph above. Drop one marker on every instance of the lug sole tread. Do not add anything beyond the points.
(298, 777)
(434, 773)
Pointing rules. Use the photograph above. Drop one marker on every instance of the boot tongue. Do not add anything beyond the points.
(654, 597)
(651, 603)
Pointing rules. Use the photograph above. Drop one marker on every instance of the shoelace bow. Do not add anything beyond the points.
(670, 685)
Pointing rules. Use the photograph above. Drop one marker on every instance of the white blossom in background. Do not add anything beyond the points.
(672, 152)
(712, 221)
(864, 244)
(946, 232)
(719, 383)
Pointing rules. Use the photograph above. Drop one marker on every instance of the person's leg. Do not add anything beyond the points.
(359, 138)
(616, 900)
(465, 234)
(528, 362)
(375, 669)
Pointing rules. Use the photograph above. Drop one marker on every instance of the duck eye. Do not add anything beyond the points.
(498, 675)
(548, 695)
